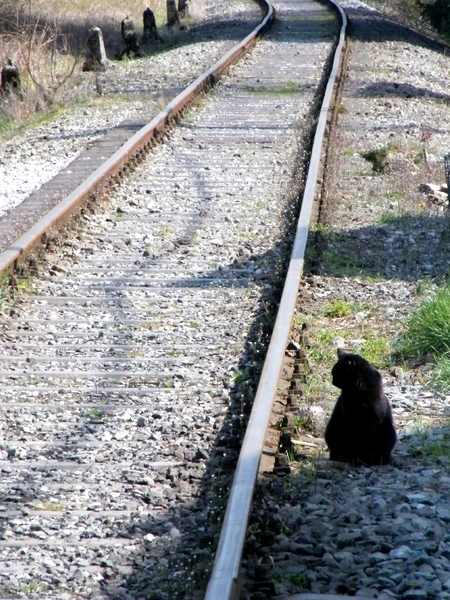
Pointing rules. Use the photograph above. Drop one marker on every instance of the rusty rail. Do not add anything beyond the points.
(60, 214)
(223, 584)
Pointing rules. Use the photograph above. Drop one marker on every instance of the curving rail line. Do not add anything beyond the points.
(223, 584)
(134, 148)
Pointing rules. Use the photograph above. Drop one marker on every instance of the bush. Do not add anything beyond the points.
(437, 13)
(428, 328)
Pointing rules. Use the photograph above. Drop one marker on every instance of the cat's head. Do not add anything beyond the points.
(353, 372)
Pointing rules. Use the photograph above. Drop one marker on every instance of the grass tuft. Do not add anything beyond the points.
(378, 157)
(428, 327)
(441, 374)
(338, 308)
(376, 350)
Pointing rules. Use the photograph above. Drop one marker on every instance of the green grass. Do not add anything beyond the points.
(165, 232)
(404, 219)
(289, 87)
(339, 265)
(32, 588)
(432, 443)
(6, 125)
(395, 195)
(378, 157)
(428, 327)
(376, 350)
(298, 579)
(427, 335)
(53, 506)
(338, 308)
(95, 413)
(301, 422)
(441, 374)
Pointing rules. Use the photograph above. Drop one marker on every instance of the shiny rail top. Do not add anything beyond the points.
(223, 583)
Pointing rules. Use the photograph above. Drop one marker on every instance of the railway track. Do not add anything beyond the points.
(128, 377)
(129, 365)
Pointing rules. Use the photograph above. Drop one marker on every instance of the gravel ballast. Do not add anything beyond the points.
(373, 532)
(129, 365)
(129, 90)
(382, 247)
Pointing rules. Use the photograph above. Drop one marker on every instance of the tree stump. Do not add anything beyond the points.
(10, 79)
(95, 54)
(150, 30)
(172, 13)
(130, 40)
(183, 8)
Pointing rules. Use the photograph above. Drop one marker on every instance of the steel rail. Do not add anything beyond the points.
(223, 583)
(60, 214)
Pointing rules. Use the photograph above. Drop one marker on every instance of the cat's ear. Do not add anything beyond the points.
(341, 352)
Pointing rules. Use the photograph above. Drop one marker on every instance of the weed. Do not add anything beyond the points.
(418, 157)
(338, 308)
(433, 444)
(246, 235)
(301, 422)
(320, 228)
(337, 264)
(289, 87)
(378, 157)
(270, 318)
(291, 454)
(53, 506)
(288, 485)
(162, 102)
(376, 350)
(400, 220)
(441, 374)
(240, 376)
(326, 336)
(395, 195)
(388, 219)
(165, 232)
(298, 579)
(95, 413)
(307, 469)
(166, 383)
(300, 319)
(25, 284)
(428, 327)
(316, 385)
(32, 587)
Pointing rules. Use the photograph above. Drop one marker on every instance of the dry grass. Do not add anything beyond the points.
(46, 40)
(72, 20)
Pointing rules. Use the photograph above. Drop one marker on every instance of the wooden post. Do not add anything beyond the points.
(150, 30)
(95, 55)
(172, 13)
(183, 8)
(10, 79)
(129, 39)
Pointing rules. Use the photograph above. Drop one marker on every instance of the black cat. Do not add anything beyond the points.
(360, 430)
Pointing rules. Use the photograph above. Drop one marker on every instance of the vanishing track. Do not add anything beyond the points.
(129, 364)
